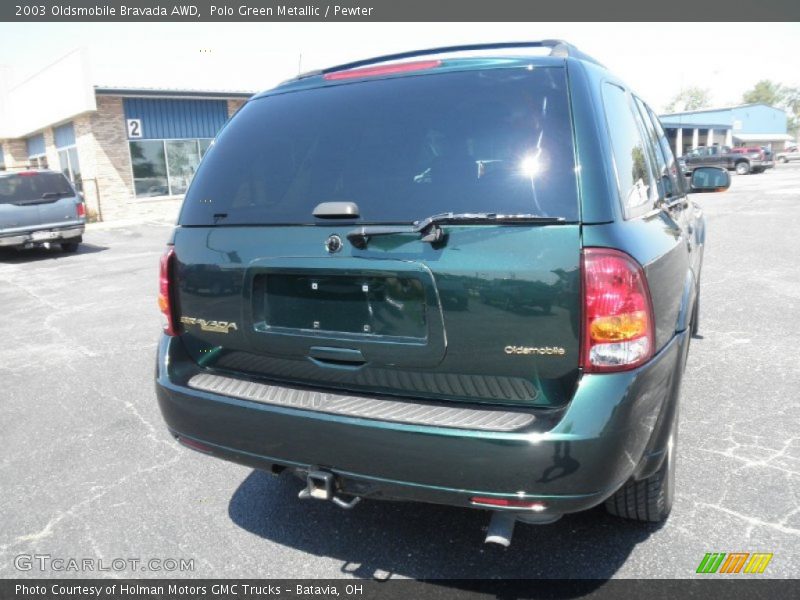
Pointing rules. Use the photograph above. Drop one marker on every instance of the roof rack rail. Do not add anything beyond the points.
(558, 48)
(27, 167)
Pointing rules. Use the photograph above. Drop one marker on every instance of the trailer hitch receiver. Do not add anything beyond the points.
(319, 485)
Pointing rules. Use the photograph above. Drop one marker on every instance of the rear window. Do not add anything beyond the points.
(21, 187)
(403, 149)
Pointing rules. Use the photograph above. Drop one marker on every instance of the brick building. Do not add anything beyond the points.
(122, 147)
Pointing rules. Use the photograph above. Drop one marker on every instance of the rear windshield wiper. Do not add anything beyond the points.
(44, 199)
(430, 231)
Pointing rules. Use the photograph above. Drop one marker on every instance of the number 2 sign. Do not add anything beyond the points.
(134, 128)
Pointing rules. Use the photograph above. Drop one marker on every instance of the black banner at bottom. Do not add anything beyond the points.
(717, 588)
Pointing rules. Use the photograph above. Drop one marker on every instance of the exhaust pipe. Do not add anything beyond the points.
(501, 528)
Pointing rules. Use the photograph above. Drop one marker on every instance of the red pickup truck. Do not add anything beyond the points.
(757, 153)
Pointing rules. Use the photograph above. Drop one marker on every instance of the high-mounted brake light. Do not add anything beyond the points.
(618, 314)
(27, 173)
(165, 292)
(419, 65)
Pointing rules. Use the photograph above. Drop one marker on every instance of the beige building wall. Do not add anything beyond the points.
(15, 153)
(107, 176)
(234, 105)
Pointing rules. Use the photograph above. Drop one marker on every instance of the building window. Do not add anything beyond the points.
(149, 168)
(204, 146)
(36, 152)
(183, 156)
(165, 167)
(38, 162)
(70, 166)
(68, 154)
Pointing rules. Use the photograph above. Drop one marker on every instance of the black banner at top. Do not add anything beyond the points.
(398, 10)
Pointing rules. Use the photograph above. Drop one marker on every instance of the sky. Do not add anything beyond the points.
(656, 59)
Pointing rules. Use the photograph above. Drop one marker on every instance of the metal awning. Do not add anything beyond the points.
(762, 137)
(703, 127)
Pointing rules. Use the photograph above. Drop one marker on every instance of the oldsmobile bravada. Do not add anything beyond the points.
(466, 275)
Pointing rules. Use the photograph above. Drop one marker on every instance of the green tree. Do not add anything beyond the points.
(689, 98)
(791, 97)
(791, 100)
(766, 92)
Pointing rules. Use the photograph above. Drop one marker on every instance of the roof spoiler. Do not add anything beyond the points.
(558, 48)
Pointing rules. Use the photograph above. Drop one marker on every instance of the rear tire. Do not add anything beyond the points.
(649, 500)
(742, 167)
(784, 160)
(69, 246)
(695, 327)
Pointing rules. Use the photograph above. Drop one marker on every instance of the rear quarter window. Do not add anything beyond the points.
(402, 148)
(634, 175)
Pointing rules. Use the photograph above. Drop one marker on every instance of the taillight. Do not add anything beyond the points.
(419, 65)
(618, 315)
(195, 445)
(80, 209)
(534, 505)
(165, 291)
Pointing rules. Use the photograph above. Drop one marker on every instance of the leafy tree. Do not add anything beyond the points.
(791, 100)
(689, 98)
(791, 97)
(765, 91)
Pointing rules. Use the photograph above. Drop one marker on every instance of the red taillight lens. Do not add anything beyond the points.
(165, 281)
(618, 315)
(195, 445)
(419, 65)
(80, 209)
(535, 505)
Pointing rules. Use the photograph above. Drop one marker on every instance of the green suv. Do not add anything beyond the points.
(465, 275)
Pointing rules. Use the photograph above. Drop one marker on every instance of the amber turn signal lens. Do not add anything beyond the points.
(626, 326)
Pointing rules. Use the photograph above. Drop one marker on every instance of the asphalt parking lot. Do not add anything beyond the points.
(88, 469)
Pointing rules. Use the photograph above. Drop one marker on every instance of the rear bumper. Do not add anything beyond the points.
(572, 461)
(40, 236)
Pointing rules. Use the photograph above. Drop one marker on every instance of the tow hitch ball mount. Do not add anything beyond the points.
(320, 486)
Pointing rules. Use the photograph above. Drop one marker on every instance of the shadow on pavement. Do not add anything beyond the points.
(12, 256)
(382, 539)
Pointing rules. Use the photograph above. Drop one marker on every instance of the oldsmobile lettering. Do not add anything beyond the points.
(548, 350)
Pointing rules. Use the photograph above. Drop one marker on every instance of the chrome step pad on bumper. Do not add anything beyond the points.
(414, 412)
